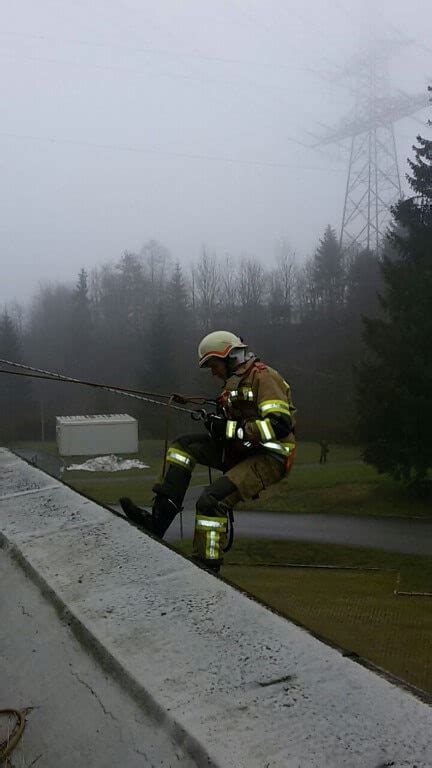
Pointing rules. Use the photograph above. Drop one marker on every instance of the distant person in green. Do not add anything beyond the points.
(324, 451)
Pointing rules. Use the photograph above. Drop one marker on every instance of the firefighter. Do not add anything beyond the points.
(250, 439)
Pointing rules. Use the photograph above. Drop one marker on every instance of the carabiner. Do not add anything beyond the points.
(199, 415)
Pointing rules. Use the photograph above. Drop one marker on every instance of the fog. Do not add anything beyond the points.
(188, 122)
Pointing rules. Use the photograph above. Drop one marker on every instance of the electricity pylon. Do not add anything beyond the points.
(373, 181)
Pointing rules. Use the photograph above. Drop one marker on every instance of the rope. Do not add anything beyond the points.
(230, 516)
(148, 397)
(7, 746)
(167, 426)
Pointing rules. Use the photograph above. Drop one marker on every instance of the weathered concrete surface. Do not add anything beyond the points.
(234, 681)
(79, 715)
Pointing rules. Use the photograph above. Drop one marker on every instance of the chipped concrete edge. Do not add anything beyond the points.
(110, 663)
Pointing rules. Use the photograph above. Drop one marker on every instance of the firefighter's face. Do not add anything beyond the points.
(217, 368)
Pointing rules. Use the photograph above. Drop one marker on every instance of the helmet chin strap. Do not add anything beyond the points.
(235, 358)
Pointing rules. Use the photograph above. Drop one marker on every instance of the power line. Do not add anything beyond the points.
(148, 397)
(170, 153)
(159, 51)
(110, 68)
(170, 75)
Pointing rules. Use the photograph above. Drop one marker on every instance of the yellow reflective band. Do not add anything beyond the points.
(247, 393)
(278, 447)
(233, 395)
(212, 546)
(274, 406)
(230, 431)
(265, 429)
(176, 456)
(215, 523)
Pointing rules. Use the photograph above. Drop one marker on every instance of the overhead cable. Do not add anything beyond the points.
(185, 155)
(148, 397)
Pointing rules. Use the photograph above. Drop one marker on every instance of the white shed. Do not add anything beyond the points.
(96, 435)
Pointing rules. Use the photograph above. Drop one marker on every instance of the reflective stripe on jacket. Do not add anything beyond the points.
(252, 395)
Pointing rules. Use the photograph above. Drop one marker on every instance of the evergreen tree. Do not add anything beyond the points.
(159, 363)
(81, 298)
(178, 305)
(395, 382)
(328, 272)
(80, 345)
(14, 391)
(179, 329)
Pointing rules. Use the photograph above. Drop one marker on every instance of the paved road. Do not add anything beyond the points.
(390, 533)
(49, 463)
(408, 536)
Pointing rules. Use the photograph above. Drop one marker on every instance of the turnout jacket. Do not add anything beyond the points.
(258, 406)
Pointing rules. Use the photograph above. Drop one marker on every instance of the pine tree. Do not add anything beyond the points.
(80, 341)
(179, 329)
(81, 295)
(177, 297)
(395, 382)
(14, 391)
(328, 272)
(158, 358)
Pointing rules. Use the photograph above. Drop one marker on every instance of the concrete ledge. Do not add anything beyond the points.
(237, 685)
(77, 713)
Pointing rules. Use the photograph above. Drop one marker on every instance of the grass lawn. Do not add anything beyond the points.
(346, 487)
(149, 452)
(49, 446)
(356, 610)
(108, 487)
(343, 486)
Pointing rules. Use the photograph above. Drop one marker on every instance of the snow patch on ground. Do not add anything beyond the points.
(107, 464)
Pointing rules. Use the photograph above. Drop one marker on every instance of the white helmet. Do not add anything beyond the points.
(218, 344)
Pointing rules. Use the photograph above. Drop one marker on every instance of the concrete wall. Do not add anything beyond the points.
(232, 683)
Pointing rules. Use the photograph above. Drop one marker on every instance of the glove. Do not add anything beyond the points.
(216, 425)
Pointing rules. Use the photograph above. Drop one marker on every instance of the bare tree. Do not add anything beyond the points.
(157, 259)
(229, 283)
(282, 286)
(286, 272)
(307, 296)
(207, 282)
(251, 283)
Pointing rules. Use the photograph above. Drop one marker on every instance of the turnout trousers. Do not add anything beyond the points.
(244, 477)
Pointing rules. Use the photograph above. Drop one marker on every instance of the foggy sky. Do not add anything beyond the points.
(182, 121)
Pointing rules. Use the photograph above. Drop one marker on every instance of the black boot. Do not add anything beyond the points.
(164, 511)
(166, 504)
(139, 516)
(169, 498)
(174, 485)
(158, 521)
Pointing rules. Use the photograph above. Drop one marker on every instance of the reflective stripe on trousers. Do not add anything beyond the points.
(181, 458)
(210, 537)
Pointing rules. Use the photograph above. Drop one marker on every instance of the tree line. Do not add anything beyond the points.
(137, 323)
